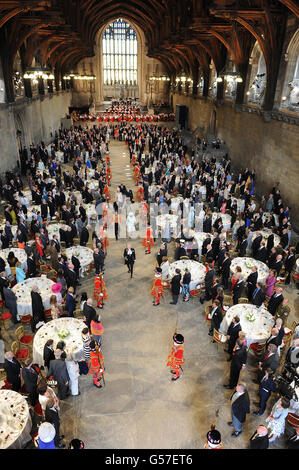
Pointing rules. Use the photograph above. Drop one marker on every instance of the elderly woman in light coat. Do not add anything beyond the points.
(73, 371)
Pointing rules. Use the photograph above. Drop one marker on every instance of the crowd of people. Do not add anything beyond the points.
(207, 195)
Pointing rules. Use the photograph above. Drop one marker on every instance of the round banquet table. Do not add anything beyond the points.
(162, 220)
(23, 292)
(53, 229)
(15, 420)
(226, 219)
(197, 270)
(90, 212)
(14, 229)
(267, 214)
(77, 195)
(265, 234)
(19, 253)
(50, 331)
(258, 330)
(84, 254)
(246, 265)
(201, 189)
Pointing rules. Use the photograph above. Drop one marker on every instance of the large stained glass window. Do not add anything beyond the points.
(120, 54)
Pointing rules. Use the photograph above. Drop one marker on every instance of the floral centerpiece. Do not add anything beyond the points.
(63, 333)
(249, 265)
(250, 317)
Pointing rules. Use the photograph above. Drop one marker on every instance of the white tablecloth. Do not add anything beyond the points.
(50, 331)
(164, 218)
(15, 420)
(84, 254)
(265, 234)
(267, 214)
(197, 270)
(91, 212)
(201, 189)
(77, 195)
(246, 265)
(258, 330)
(14, 229)
(23, 293)
(29, 211)
(226, 219)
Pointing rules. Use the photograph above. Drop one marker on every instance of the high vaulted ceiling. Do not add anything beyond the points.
(183, 34)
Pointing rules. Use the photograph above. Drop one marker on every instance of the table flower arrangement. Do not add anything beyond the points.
(63, 333)
(250, 317)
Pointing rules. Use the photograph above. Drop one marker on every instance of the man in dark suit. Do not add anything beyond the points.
(77, 266)
(98, 260)
(270, 360)
(176, 286)
(52, 416)
(209, 277)
(71, 277)
(3, 281)
(267, 386)
(243, 247)
(180, 250)
(260, 439)
(207, 224)
(289, 264)
(275, 300)
(225, 270)
(258, 296)
(12, 368)
(30, 378)
(240, 406)
(89, 312)
(232, 335)
(130, 257)
(238, 363)
(59, 372)
(11, 302)
(70, 301)
(261, 254)
(251, 282)
(206, 242)
(237, 290)
(38, 311)
(256, 244)
(84, 236)
(274, 338)
(293, 441)
(216, 316)
(31, 267)
(270, 242)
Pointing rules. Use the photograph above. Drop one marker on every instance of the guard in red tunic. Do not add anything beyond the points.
(96, 368)
(157, 288)
(108, 175)
(100, 291)
(136, 174)
(175, 358)
(140, 194)
(148, 240)
(107, 193)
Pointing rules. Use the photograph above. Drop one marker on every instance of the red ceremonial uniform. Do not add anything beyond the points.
(175, 358)
(107, 192)
(148, 240)
(140, 194)
(157, 290)
(100, 291)
(96, 368)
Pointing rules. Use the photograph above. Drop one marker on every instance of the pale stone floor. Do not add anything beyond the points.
(140, 407)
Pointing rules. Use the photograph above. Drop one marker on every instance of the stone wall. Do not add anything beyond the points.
(36, 119)
(271, 148)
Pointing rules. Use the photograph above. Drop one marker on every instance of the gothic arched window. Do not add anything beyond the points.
(119, 54)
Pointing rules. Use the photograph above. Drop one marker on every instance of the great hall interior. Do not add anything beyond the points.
(149, 224)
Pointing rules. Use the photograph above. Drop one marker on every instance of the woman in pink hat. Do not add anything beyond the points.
(56, 289)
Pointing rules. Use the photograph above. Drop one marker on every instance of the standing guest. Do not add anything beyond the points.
(270, 282)
(98, 259)
(96, 368)
(46, 435)
(71, 277)
(276, 419)
(97, 329)
(259, 439)
(70, 301)
(186, 285)
(38, 311)
(20, 273)
(52, 416)
(289, 263)
(267, 386)
(176, 286)
(11, 302)
(61, 280)
(12, 368)
(216, 316)
(86, 338)
(240, 406)
(2, 351)
(130, 258)
(44, 393)
(59, 372)
(84, 236)
(237, 290)
(31, 266)
(232, 335)
(225, 270)
(55, 309)
(275, 300)
(251, 282)
(161, 253)
(30, 378)
(258, 296)
(74, 372)
(209, 277)
(88, 312)
(270, 360)
(238, 363)
(48, 354)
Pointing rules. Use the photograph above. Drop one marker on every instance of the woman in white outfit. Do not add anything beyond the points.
(276, 420)
(131, 221)
(73, 371)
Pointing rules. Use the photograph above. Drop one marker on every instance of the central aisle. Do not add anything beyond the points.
(140, 407)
